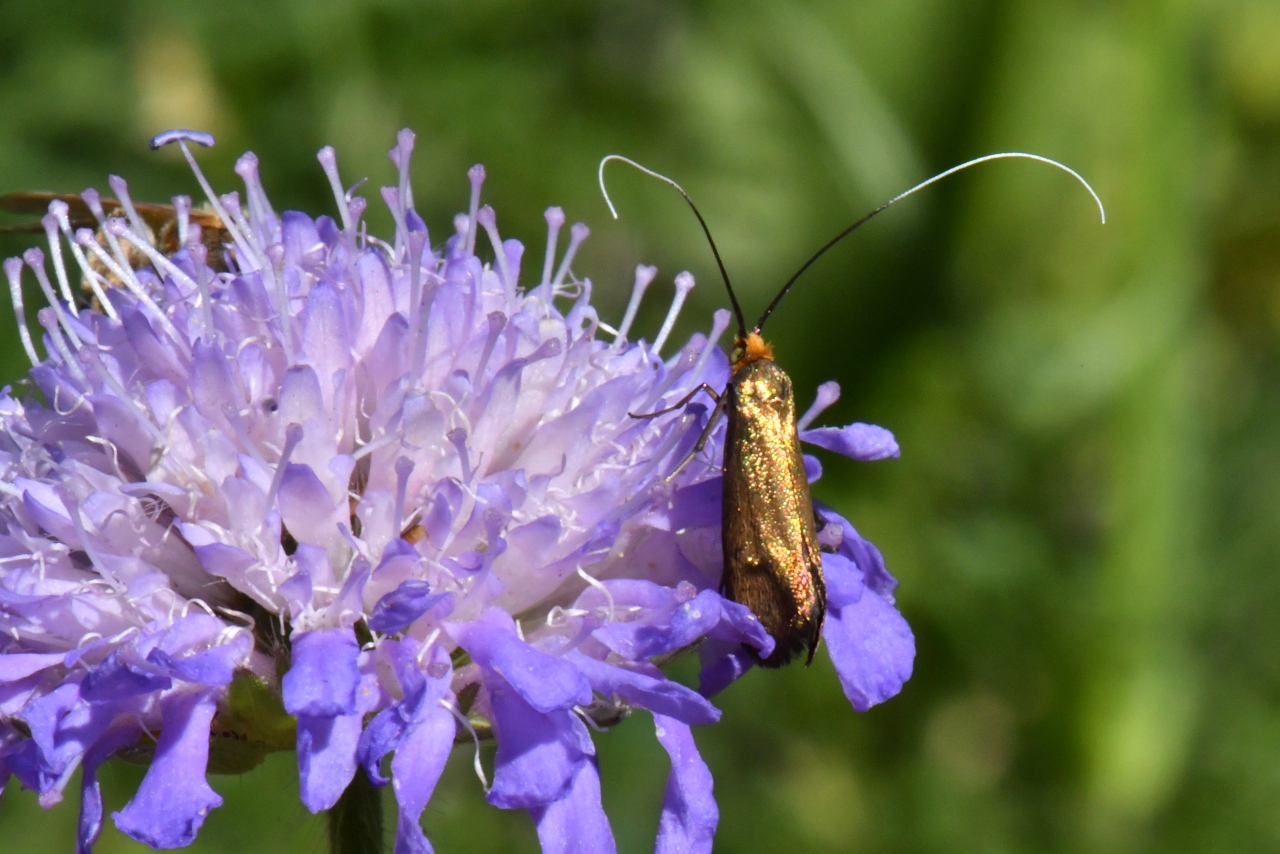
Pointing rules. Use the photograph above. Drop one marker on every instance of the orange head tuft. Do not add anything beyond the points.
(750, 349)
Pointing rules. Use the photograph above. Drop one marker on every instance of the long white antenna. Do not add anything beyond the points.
(954, 169)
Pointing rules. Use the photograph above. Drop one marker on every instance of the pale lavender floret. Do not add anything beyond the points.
(346, 438)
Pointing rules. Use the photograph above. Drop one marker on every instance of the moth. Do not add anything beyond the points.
(769, 530)
(163, 222)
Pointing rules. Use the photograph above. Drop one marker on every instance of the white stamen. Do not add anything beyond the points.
(416, 244)
(645, 275)
(329, 163)
(720, 321)
(50, 223)
(462, 719)
(121, 189)
(555, 221)
(119, 391)
(85, 238)
(404, 144)
(278, 286)
(357, 204)
(59, 209)
(242, 246)
(199, 257)
(94, 201)
(13, 270)
(425, 649)
(260, 209)
(476, 176)
(182, 207)
(489, 222)
(117, 227)
(35, 260)
(684, 284)
(292, 436)
(588, 720)
(373, 445)
(239, 616)
(391, 196)
(578, 232)
(404, 468)
(828, 394)
(231, 202)
(599, 585)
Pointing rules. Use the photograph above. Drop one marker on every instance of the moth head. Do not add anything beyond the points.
(749, 348)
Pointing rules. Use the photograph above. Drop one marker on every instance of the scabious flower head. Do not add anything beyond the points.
(286, 485)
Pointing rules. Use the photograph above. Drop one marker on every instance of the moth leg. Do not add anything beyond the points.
(722, 401)
(684, 401)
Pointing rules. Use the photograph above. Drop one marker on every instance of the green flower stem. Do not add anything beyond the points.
(355, 822)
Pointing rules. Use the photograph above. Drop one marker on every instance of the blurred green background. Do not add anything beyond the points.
(1084, 519)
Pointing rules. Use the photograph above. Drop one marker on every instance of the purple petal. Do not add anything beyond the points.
(174, 798)
(117, 677)
(699, 505)
(395, 611)
(20, 665)
(48, 719)
(723, 663)
(213, 667)
(90, 824)
(865, 555)
(689, 812)
(418, 763)
(423, 690)
(688, 622)
(324, 675)
(326, 758)
(859, 441)
(738, 623)
(655, 693)
(538, 754)
(545, 681)
(870, 643)
(575, 823)
(306, 508)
